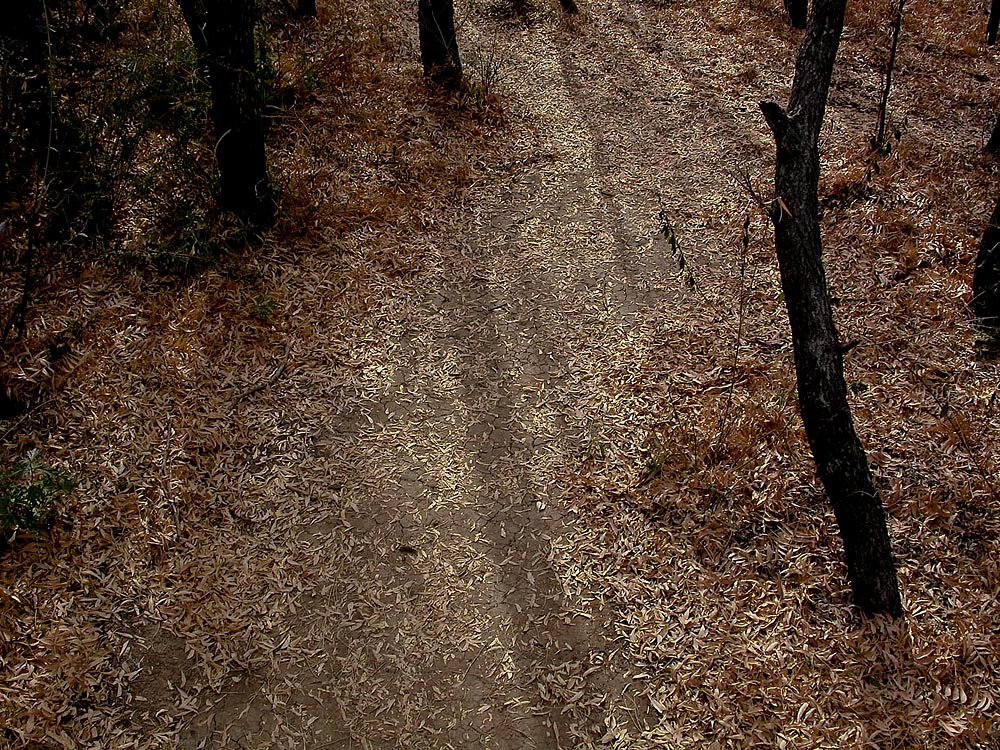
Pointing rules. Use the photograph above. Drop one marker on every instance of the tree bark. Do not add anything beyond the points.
(438, 44)
(798, 12)
(993, 23)
(986, 278)
(236, 111)
(840, 457)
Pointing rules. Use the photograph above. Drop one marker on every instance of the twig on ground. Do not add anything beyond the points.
(275, 376)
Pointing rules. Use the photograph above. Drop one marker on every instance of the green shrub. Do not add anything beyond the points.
(29, 493)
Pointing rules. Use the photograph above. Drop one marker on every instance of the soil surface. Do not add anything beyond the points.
(483, 391)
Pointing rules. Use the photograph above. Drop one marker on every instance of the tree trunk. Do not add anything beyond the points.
(879, 141)
(569, 6)
(993, 144)
(197, 21)
(840, 457)
(307, 8)
(47, 132)
(26, 32)
(986, 278)
(438, 45)
(798, 12)
(993, 22)
(236, 111)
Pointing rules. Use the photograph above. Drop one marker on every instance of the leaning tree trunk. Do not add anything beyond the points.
(819, 368)
(986, 278)
(798, 12)
(438, 44)
(236, 111)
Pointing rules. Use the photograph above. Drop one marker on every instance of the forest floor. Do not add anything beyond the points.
(481, 460)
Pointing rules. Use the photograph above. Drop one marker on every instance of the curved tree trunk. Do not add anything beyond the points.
(236, 111)
(840, 457)
(438, 45)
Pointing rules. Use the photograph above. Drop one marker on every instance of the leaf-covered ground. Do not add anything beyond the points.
(470, 455)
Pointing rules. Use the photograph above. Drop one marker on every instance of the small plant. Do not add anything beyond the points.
(484, 72)
(29, 491)
(656, 459)
(676, 251)
(263, 308)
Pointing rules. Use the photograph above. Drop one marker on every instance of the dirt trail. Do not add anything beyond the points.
(440, 611)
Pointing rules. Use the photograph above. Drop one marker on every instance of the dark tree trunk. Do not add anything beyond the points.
(569, 6)
(993, 22)
(307, 8)
(986, 278)
(46, 133)
(197, 22)
(840, 457)
(993, 144)
(236, 111)
(438, 45)
(798, 12)
(26, 35)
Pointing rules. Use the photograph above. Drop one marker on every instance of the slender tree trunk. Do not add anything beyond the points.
(798, 12)
(840, 457)
(878, 142)
(196, 19)
(49, 132)
(236, 110)
(438, 44)
(993, 23)
(986, 278)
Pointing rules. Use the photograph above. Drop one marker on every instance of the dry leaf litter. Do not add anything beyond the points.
(496, 473)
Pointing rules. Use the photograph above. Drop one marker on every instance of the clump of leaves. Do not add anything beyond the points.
(29, 493)
(676, 251)
(263, 308)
